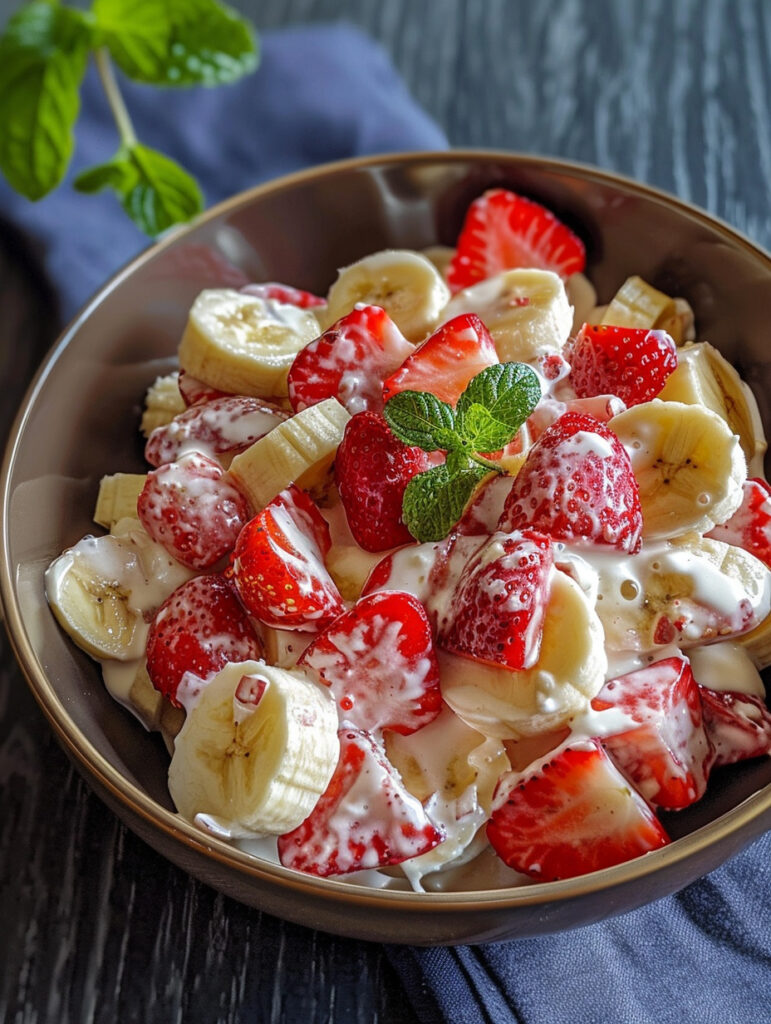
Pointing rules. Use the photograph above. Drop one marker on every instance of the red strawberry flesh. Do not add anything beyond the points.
(750, 526)
(633, 363)
(738, 725)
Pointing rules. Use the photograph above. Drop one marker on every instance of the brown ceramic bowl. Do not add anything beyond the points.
(79, 421)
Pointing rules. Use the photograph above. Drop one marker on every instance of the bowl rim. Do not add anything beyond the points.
(738, 820)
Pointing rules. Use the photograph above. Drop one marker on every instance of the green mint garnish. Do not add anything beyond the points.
(488, 415)
(44, 52)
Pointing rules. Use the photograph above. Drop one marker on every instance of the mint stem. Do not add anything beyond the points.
(487, 463)
(114, 97)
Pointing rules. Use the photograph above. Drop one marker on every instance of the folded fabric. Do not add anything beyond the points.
(322, 93)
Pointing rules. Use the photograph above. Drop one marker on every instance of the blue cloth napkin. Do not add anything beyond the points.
(328, 92)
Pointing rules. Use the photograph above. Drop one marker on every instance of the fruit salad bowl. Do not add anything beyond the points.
(79, 422)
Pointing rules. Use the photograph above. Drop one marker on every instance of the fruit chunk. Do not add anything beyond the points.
(571, 813)
(219, 428)
(378, 659)
(284, 293)
(117, 497)
(503, 230)
(640, 305)
(163, 402)
(577, 484)
(278, 565)
(750, 525)
(447, 361)
(738, 725)
(687, 463)
(198, 629)
(404, 283)
(632, 363)
(364, 819)
(256, 751)
(193, 510)
(243, 344)
(372, 470)
(195, 392)
(664, 749)
(499, 602)
(349, 362)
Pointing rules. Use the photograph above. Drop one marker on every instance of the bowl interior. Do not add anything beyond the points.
(81, 416)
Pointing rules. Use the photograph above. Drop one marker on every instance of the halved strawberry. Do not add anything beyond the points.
(447, 361)
(737, 724)
(750, 526)
(193, 509)
(364, 819)
(633, 363)
(499, 602)
(570, 813)
(284, 293)
(199, 628)
(220, 429)
(577, 484)
(278, 566)
(372, 470)
(349, 361)
(503, 230)
(195, 391)
(661, 745)
(379, 661)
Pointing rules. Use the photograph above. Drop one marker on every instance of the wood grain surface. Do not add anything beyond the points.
(94, 926)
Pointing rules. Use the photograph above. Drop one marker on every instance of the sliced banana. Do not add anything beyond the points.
(117, 498)
(300, 450)
(403, 283)
(91, 589)
(582, 296)
(688, 464)
(526, 311)
(257, 750)
(638, 304)
(704, 377)
(689, 590)
(242, 343)
(163, 402)
(569, 672)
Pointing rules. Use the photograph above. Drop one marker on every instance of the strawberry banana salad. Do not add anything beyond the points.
(451, 579)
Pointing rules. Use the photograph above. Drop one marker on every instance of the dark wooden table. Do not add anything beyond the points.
(94, 926)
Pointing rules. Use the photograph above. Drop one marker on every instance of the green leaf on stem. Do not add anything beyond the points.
(421, 419)
(434, 500)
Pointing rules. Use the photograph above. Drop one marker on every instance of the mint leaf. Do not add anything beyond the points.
(420, 418)
(177, 42)
(482, 431)
(43, 54)
(509, 392)
(434, 501)
(154, 190)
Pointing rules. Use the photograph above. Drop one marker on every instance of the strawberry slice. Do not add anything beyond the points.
(199, 628)
(750, 525)
(447, 361)
(349, 362)
(499, 602)
(503, 230)
(364, 819)
(737, 724)
(577, 484)
(220, 428)
(379, 661)
(193, 509)
(284, 293)
(278, 565)
(197, 392)
(372, 470)
(662, 747)
(570, 813)
(633, 363)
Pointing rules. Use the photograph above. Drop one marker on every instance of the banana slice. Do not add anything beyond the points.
(688, 464)
(569, 672)
(704, 377)
(757, 644)
(300, 450)
(582, 296)
(639, 304)
(690, 590)
(405, 284)
(257, 750)
(117, 498)
(91, 589)
(242, 343)
(526, 311)
(163, 402)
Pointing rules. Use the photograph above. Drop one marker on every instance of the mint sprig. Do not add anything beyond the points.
(44, 52)
(487, 417)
